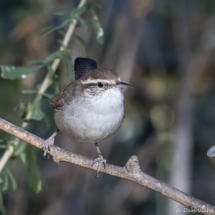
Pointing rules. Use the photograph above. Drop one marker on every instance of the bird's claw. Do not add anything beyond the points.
(100, 160)
(46, 145)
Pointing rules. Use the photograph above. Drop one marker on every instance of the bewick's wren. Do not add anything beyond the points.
(89, 109)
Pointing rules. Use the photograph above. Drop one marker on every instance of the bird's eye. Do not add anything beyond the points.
(100, 84)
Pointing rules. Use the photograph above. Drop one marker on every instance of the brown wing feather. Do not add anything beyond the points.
(64, 97)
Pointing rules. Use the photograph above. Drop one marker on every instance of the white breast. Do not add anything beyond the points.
(92, 119)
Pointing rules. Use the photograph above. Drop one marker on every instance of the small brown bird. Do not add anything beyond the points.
(91, 108)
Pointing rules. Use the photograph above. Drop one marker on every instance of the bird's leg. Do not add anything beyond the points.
(49, 142)
(100, 160)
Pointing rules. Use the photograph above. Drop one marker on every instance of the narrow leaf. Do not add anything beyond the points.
(38, 87)
(47, 122)
(52, 29)
(81, 10)
(29, 91)
(12, 179)
(20, 148)
(32, 62)
(35, 108)
(48, 60)
(76, 13)
(61, 43)
(97, 27)
(23, 158)
(70, 67)
(19, 72)
(37, 112)
(3, 146)
(33, 172)
(81, 40)
(56, 87)
(46, 28)
(5, 183)
(47, 95)
(84, 23)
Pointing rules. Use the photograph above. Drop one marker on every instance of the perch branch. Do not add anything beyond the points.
(131, 171)
(46, 83)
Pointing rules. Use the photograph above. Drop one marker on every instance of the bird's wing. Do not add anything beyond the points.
(82, 67)
(64, 97)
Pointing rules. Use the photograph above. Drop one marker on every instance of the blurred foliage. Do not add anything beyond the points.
(144, 43)
(33, 109)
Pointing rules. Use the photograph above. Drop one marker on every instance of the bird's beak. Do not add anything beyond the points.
(122, 83)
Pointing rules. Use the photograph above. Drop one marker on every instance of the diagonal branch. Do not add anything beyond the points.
(131, 171)
(45, 84)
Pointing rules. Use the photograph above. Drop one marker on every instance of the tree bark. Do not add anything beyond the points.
(131, 171)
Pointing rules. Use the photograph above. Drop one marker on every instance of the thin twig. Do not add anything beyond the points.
(131, 171)
(46, 82)
(6, 156)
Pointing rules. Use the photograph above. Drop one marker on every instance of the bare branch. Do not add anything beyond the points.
(131, 171)
(45, 84)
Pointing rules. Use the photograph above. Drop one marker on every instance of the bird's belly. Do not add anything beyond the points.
(90, 124)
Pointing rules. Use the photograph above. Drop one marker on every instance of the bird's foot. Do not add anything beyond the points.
(99, 161)
(49, 142)
(46, 145)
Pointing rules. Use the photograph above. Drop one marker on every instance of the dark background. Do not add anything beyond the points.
(165, 50)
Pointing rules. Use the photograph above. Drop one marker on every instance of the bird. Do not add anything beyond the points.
(91, 108)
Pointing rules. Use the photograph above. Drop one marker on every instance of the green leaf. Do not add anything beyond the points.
(19, 72)
(29, 91)
(3, 144)
(97, 27)
(81, 10)
(47, 122)
(48, 60)
(46, 28)
(76, 13)
(56, 87)
(38, 87)
(70, 67)
(47, 95)
(32, 62)
(50, 71)
(3, 147)
(61, 43)
(37, 112)
(81, 40)
(5, 183)
(23, 158)
(12, 179)
(1, 180)
(33, 172)
(35, 108)
(52, 28)
(84, 23)
(2, 208)
(20, 148)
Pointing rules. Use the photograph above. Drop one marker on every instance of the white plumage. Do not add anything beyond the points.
(92, 118)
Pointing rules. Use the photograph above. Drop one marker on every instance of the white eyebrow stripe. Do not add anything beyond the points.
(96, 81)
